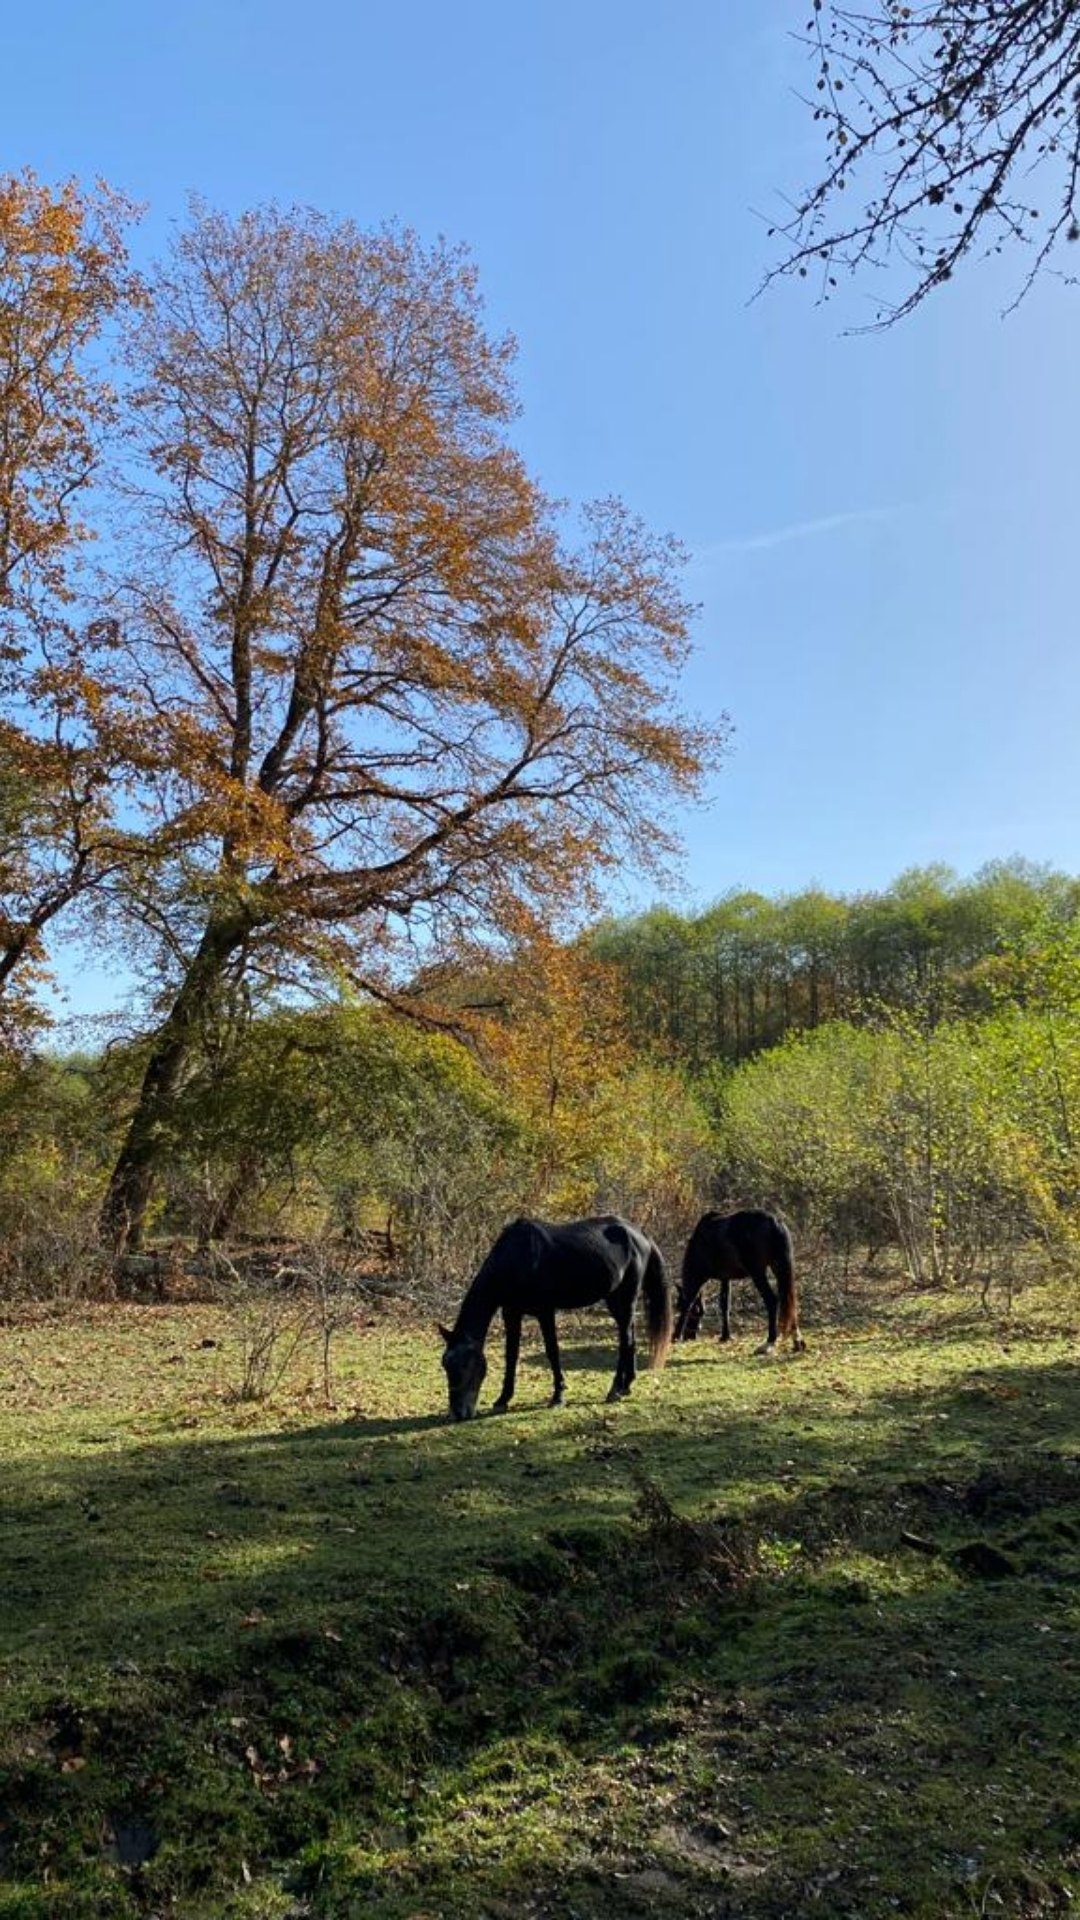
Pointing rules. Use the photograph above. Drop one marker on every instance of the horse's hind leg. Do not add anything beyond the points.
(551, 1348)
(725, 1309)
(621, 1304)
(772, 1306)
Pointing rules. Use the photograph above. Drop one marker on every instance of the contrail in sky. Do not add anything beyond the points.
(796, 530)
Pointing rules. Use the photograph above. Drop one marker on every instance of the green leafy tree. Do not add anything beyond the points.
(799, 1129)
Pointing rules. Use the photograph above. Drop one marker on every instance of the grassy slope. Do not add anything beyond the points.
(361, 1662)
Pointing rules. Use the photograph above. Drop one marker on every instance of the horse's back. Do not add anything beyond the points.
(730, 1242)
(516, 1249)
(576, 1263)
(763, 1229)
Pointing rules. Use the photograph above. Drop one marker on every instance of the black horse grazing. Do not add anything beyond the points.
(740, 1246)
(535, 1269)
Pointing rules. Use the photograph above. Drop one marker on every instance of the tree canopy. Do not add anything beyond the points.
(345, 687)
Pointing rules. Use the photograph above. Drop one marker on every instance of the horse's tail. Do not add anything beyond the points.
(658, 1311)
(783, 1265)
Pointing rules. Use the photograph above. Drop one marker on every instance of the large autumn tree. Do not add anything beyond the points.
(952, 130)
(382, 696)
(63, 276)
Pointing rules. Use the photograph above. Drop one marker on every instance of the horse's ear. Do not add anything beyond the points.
(446, 1333)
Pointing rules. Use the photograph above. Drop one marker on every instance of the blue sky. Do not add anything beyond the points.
(882, 526)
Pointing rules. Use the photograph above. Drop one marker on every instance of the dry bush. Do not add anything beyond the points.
(51, 1251)
(288, 1304)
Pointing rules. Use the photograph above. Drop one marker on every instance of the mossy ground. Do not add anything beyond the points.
(295, 1660)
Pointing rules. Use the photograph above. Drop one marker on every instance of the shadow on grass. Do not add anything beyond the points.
(421, 1666)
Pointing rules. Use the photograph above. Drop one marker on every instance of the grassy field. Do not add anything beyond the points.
(773, 1638)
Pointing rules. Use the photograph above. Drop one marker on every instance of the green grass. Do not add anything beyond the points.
(672, 1656)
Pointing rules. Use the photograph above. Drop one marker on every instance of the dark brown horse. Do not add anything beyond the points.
(740, 1246)
(537, 1270)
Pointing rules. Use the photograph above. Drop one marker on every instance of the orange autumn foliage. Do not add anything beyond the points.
(63, 276)
(558, 1047)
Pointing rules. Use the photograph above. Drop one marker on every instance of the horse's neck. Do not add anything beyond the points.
(479, 1307)
(706, 1243)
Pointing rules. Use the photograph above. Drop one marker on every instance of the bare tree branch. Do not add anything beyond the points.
(952, 131)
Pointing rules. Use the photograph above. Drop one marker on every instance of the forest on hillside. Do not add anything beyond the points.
(738, 977)
(911, 1089)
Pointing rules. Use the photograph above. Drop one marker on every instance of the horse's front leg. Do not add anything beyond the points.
(512, 1323)
(688, 1319)
(725, 1309)
(551, 1348)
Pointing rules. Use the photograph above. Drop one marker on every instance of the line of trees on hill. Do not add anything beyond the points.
(727, 982)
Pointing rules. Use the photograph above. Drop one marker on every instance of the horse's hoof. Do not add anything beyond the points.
(767, 1348)
(557, 1400)
(617, 1393)
(501, 1406)
(799, 1344)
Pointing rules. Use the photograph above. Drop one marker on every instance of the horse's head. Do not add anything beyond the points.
(465, 1368)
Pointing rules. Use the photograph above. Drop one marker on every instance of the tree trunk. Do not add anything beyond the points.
(123, 1214)
(218, 1225)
